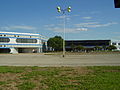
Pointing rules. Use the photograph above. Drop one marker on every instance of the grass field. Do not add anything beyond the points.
(60, 78)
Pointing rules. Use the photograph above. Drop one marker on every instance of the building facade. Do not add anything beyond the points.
(13, 42)
(88, 44)
(117, 44)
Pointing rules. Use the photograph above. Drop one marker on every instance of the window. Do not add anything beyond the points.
(113, 43)
(19, 40)
(4, 40)
(118, 43)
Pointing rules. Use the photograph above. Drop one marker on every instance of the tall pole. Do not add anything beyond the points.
(64, 17)
(64, 35)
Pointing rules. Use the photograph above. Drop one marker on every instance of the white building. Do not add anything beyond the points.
(13, 42)
(117, 44)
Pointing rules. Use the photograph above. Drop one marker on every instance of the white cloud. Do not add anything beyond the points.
(50, 25)
(67, 30)
(94, 24)
(18, 27)
(60, 17)
(76, 15)
(82, 29)
(87, 17)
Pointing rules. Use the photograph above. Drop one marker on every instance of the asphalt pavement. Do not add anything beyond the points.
(58, 61)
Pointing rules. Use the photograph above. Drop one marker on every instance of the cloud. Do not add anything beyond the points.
(95, 24)
(50, 25)
(18, 27)
(76, 15)
(87, 17)
(60, 17)
(67, 30)
(82, 29)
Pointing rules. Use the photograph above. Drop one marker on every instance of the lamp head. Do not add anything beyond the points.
(69, 9)
(58, 9)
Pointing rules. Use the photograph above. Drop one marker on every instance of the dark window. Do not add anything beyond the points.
(113, 43)
(4, 39)
(19, 40)
(118, 43)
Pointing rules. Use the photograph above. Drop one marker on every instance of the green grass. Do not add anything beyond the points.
(60, 78)
(26, 86)
(2, 82)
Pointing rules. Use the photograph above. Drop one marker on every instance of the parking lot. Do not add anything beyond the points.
(57, 60)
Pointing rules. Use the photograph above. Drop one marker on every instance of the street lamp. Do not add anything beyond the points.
(63, 12)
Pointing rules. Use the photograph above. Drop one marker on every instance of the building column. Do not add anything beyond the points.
(13, 50)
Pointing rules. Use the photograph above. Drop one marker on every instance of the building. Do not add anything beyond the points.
(117, 44)
(13, 42)
(88, 44)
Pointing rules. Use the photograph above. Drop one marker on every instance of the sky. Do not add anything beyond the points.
(88, 19)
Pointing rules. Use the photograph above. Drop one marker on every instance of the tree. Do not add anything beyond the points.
(111, 47)
(56, 43)
(73, 47)
(79, 47)
(97, 48)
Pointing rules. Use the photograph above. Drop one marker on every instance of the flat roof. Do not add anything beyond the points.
(84, 40)
(17, 33)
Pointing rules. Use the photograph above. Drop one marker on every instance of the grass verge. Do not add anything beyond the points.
(60, 78)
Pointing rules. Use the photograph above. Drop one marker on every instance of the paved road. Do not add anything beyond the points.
(57, 60)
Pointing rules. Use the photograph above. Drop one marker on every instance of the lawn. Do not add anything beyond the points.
(60, 78)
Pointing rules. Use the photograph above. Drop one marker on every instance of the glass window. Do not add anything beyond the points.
(118, 43)
(4, 40)
(113, 43)
(19, 40)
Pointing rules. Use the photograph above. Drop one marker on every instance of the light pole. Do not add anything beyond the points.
(63, 12)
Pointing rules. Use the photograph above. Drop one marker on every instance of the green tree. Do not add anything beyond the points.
(56, 43)
(73, 47)
(111, 47)
(97, 48)
(104, 47)
(79, 47)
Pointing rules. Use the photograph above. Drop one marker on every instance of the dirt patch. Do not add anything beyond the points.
(10, 79)
(75, 71)
(8, 76)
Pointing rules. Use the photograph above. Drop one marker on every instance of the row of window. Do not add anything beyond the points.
(1, 35)
(19, 40)
(26, 40)
(115, 43)
(4, 40)
(18, 46)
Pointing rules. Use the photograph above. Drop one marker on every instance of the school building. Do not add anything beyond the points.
(14, 42)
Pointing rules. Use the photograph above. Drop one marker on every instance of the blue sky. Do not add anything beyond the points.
(89, 19)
